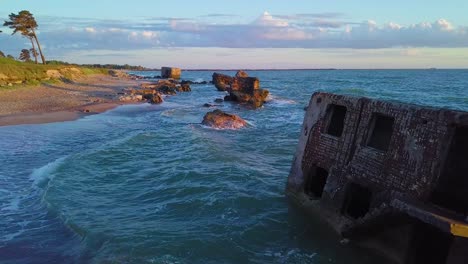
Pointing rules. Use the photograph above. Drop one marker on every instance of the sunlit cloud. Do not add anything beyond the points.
(60, 35)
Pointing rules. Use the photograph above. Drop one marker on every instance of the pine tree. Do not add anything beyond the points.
(25, 55)
(25, 23)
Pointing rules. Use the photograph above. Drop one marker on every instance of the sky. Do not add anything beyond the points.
(248, 34)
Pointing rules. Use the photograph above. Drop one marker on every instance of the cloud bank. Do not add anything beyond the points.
(307, 31)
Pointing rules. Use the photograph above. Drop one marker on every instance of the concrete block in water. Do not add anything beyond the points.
(170, 72)
(390, 174)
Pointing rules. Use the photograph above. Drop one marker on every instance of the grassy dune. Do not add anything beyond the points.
(15, 72)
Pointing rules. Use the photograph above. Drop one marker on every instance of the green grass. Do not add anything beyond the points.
(89, 71)
(32, 74)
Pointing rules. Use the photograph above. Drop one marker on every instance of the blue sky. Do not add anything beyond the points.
(250, 34)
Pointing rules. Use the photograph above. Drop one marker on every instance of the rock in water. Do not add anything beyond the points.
(241, 74)
(245, 84)
(167, 87)
(168, 90)
(222, 120)
(184, 87)
(221, 81)
(241, 88)
(156, 98)
(170, 72)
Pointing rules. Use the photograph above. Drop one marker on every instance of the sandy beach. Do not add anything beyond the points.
(58, 102)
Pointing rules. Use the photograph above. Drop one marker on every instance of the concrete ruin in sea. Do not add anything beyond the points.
(391, 176)
(170, 72)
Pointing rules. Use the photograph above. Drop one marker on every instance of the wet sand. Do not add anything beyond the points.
(58, 102)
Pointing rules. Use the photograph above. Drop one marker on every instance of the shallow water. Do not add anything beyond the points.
(149, 184)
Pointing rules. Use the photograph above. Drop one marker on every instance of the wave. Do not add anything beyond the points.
(227, 128)
(293, 255)
(44, 174)
(14, 205)
(11, 236)
(276, 100)
(350, 91)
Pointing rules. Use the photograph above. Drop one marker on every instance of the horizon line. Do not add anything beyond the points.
(305, 69)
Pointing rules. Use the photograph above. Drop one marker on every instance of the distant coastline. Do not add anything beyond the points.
(311, 69)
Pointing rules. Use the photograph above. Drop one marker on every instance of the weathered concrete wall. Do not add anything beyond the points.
(382, 151)
(411, 165)
(170, 72)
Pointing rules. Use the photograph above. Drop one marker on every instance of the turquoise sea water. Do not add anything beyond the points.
(149, 184)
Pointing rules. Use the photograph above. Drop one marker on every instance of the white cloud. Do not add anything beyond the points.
(443, 24)
(90, 29)
(393, 26)
(149, 34)
(268, 20)
(309, 31)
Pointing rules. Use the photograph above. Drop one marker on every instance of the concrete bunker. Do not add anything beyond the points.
(170, 72)
(391, 173)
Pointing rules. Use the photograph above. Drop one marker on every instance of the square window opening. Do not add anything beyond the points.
(336, 120)
(358, 200)
(315, 182)
(382, 130)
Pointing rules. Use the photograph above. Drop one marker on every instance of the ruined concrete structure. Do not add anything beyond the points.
(170, 72)
(241, 88)
(388, 175)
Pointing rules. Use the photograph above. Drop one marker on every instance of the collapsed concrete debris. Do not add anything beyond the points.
(389, 175)
(241, 88)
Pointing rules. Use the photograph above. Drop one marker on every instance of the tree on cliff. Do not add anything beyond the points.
(34, 53)
(25, 55)
(25, 23)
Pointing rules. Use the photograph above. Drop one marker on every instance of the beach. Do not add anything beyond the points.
(61, 101)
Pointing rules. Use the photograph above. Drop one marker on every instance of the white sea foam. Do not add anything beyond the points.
(271, 99)
(14, 205)
(45, 173)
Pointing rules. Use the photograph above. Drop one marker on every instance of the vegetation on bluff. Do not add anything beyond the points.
(16, 72)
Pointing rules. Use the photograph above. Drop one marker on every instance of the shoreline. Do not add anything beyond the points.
(34, 118)
(60, 102)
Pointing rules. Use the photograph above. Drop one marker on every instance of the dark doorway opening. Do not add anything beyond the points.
(451, 191)
(428, 245)
(336, 121)
(315, 182)
(357, 201)
(382, 130)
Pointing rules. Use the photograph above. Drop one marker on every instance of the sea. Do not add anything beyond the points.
(149, 184)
